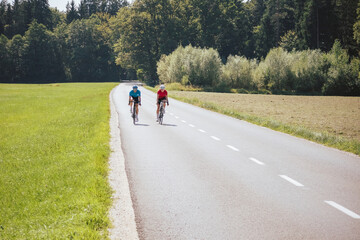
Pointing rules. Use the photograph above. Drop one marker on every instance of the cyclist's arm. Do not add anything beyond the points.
(129, 99)
(140, 100)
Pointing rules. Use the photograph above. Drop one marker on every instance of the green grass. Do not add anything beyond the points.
(261, 110)
(53, 161)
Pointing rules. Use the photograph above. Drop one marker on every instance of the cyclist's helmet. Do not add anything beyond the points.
(162, 86)
(135, 87)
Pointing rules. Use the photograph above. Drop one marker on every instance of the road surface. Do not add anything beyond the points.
(203, 175)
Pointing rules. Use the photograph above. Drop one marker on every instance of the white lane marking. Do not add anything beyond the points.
(203, 131)
(257, 161)
(343, 209)
(191, 125)
(296, 183)
(215, 138)
(176, 117)
(183, 121)
(232, 148)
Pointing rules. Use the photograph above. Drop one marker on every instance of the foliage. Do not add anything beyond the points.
(343, 78)
(191, 65)
(86, 42)
(237, 72)
(274, 72)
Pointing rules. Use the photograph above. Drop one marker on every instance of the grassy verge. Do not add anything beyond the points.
(267, 111)
(53, 161)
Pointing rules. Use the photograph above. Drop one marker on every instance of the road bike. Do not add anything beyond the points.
(161, 111)
(133, 113)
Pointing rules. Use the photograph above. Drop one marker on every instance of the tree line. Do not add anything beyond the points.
(101, 40)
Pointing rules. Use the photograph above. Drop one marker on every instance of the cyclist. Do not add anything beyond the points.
(135, 96)
(161, 96)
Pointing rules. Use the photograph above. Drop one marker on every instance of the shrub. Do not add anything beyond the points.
(190, 65)
(343, 74)
(274, 73)
(237, 72)
(309, 68)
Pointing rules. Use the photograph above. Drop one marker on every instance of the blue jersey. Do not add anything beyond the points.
(135, 95)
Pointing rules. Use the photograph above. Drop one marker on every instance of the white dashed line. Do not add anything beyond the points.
(296, 183)
(215, 138)
(232, 148)
(343, 209)
(190, 125)
(183, 121)
(203, 131)
(257, 161)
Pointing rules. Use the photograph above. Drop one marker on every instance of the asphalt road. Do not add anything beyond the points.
(203, 175)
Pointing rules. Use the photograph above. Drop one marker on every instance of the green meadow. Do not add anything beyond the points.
(53, 161)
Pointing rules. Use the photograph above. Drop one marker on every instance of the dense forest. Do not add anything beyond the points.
(104, 40)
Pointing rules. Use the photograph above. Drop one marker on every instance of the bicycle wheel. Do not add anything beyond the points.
(134, 114)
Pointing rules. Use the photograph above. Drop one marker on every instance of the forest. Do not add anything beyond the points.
(277, 46)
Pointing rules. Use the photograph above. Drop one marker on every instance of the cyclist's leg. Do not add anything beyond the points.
(158, 109)
(131, 103)
(137, 108)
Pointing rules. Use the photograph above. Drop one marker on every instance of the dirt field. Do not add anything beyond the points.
(337, 115)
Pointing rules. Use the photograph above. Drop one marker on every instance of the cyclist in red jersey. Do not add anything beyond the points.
(161, 95)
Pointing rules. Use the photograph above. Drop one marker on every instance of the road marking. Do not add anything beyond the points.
(343, 209)
(257, 161)
(176, 117)
(203, 131)
(296, 183)
(215, 138)
(183, 121)
(232, 148)
(191, 125)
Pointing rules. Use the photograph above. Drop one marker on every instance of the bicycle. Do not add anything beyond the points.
(133, 113)
(161, 112)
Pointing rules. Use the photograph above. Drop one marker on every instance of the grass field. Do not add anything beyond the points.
(53, 161)
(333, 121)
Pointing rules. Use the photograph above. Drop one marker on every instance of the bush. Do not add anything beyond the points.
(190, 65)
(309, 68)
(237, 72)
(343, 75)
(274, 73)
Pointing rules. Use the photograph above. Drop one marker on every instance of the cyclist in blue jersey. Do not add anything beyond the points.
(135, 96)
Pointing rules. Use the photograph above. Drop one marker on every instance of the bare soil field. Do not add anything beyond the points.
(339, 116)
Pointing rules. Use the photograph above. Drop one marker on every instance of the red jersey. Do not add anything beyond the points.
(162, 94)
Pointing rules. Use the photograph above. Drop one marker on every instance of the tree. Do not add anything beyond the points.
(71, 12)
(90, 56)
(41, 58)
(16, 51)
(41, 12)
(4, 58)
(356, 27)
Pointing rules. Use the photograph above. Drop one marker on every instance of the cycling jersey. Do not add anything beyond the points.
(135, 95)
(162, 94)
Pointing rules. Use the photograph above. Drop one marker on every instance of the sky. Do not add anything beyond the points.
(61, 4)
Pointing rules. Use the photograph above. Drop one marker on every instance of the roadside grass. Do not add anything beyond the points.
(331, 121)
(53, 161)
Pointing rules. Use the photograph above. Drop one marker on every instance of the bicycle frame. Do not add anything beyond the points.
(161, 111)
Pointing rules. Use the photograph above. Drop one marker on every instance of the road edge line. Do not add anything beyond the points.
(121, 213)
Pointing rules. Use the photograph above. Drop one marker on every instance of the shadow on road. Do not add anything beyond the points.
(141, 125)
(169, 125)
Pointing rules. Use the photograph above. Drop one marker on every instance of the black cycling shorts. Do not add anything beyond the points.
(136, 99)
(161, 99)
